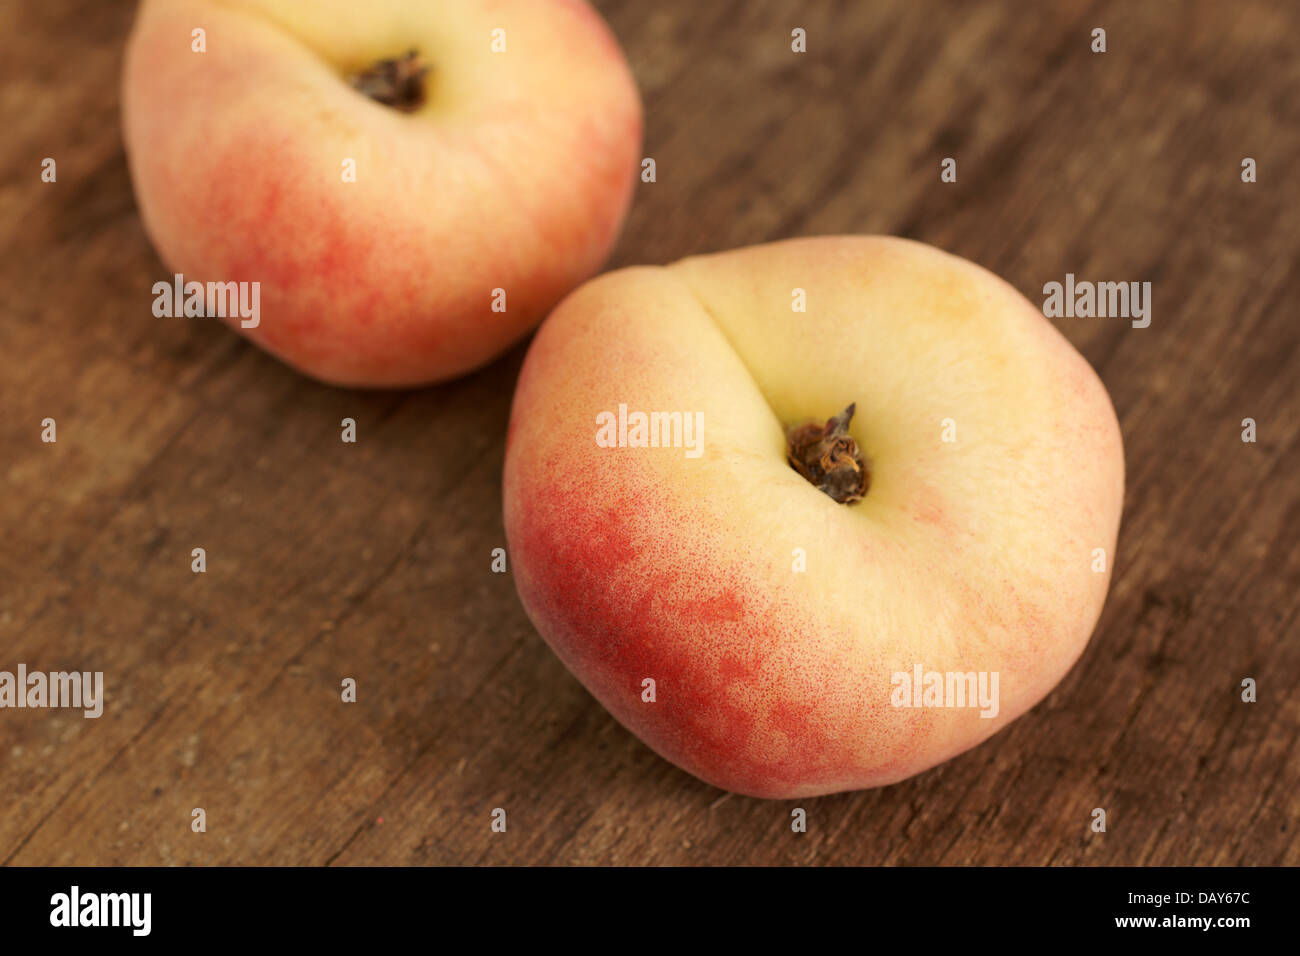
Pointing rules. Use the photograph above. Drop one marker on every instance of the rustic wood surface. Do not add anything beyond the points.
(328, 560)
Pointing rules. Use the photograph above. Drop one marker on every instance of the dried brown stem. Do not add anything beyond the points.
(398, 82)
(829, 458)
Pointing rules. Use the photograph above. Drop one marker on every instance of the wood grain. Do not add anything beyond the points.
(371, 560)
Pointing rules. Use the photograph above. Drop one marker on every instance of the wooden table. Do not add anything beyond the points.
(371, 560)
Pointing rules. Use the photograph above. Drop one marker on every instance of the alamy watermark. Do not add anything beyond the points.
(215, 300)
(651, 430)
(922, 688)
(1101, 300)
(75, 689)
(130, 910)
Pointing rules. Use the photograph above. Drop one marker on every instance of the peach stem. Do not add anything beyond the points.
(396, 82)
(828, 457)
